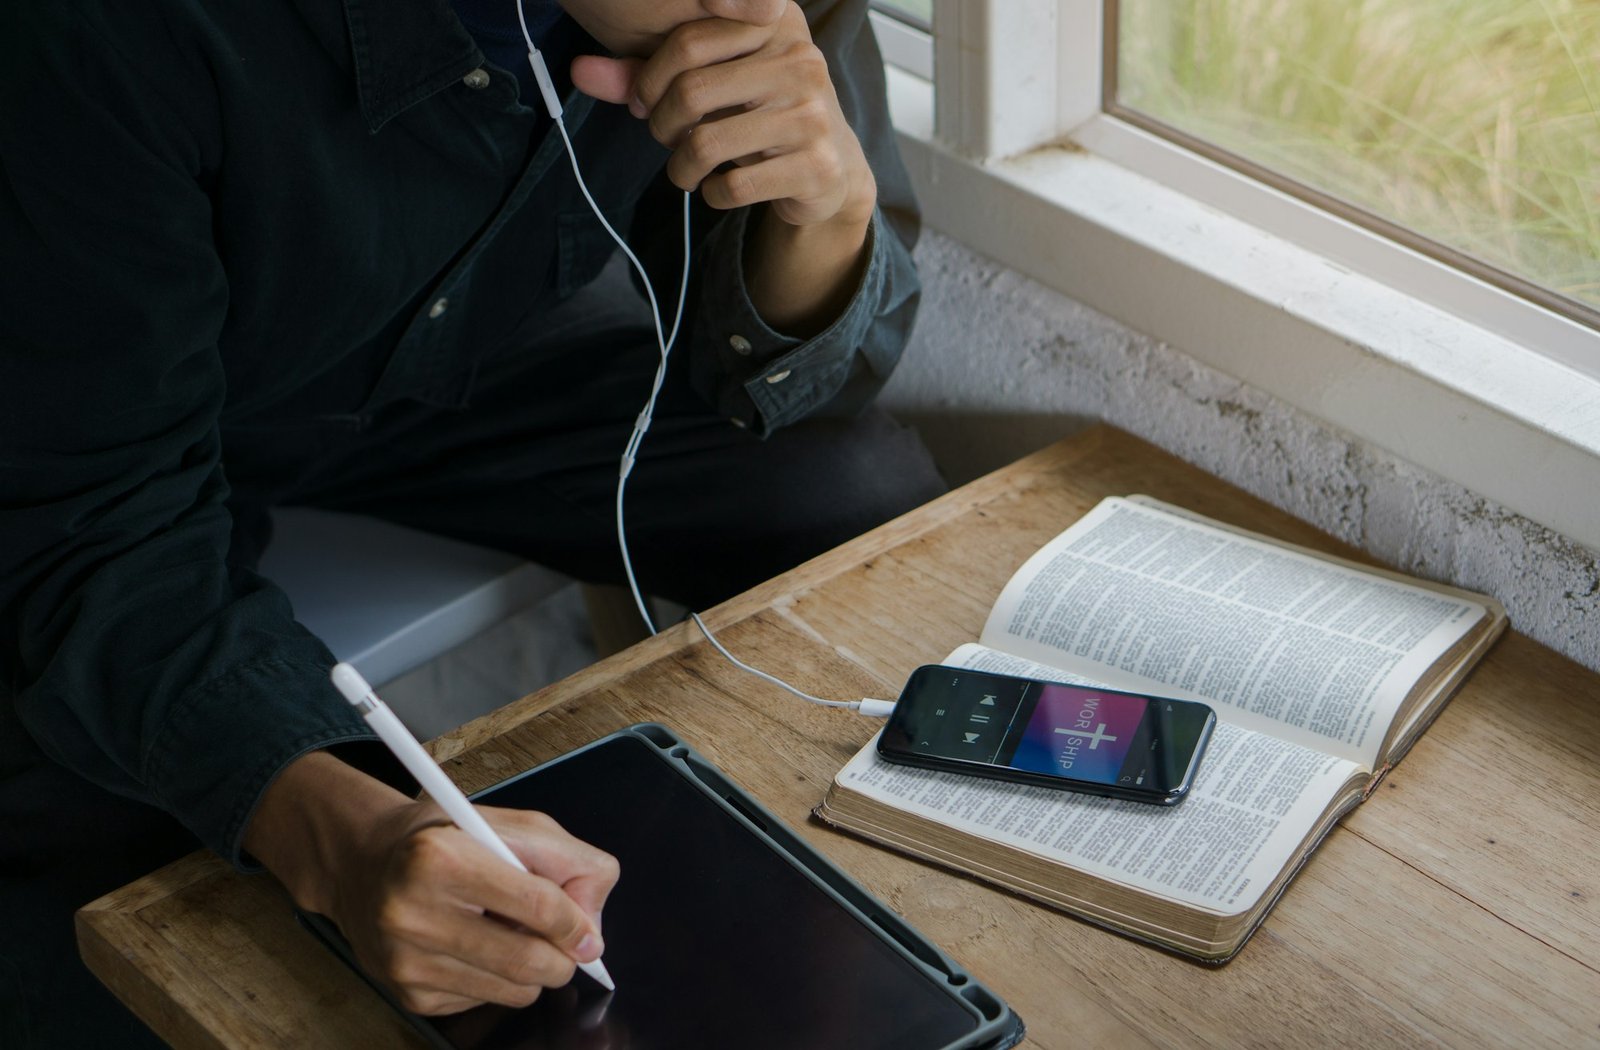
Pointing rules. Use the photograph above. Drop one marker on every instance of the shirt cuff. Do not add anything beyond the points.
(225, 742)
(760, 378)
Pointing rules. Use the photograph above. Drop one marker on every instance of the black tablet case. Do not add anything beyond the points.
(726, 929)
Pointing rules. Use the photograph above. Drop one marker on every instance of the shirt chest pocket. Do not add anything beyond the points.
(583, 246)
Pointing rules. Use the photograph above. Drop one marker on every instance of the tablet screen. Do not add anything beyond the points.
(714, 939)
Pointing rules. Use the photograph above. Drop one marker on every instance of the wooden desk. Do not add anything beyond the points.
(1459, 906)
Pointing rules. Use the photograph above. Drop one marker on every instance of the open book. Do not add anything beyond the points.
(1322, 673)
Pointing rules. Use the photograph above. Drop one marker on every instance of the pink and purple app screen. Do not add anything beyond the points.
(1080, 733)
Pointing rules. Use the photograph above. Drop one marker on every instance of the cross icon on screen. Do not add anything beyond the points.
(1094, 738)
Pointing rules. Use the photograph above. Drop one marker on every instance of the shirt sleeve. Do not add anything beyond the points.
(132, 653)
(760, 378)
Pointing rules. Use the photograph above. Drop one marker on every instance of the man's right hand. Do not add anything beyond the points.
(426, 909)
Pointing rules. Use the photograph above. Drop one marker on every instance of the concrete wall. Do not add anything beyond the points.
(1001, 366)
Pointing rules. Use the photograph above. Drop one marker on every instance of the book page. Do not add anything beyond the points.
(1253, 802)
(1144, 600)
(983, 658)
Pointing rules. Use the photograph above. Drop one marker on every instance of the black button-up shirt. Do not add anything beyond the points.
(229, 219)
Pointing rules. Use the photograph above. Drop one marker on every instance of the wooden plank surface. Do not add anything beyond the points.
(1458, 907)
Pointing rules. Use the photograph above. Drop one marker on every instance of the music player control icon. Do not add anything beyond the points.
(972, 738)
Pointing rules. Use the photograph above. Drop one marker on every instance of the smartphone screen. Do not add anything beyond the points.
(1108, 742)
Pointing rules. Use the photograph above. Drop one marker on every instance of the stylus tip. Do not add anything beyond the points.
(598, 971)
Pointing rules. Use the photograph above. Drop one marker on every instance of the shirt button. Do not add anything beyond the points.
(740, 344)
(477, 80)
(778, 377)
(440, 305)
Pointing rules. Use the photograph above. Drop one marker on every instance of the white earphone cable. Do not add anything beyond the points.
(665, 341)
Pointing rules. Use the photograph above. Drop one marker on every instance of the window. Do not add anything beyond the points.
(1469, 130)
(1495, 220)
(917, 12)
(1168, 204)
(904, 29)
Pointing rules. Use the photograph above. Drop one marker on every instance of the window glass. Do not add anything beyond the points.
(1475, 123)
(918, 12)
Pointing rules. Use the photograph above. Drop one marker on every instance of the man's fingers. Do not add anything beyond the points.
(700, 95)
(447, 860)
(776, 156)
(430, 1002)
(719, 142)
(441, 984)
(547, 849)
(755, 12)
(570, 881)
(607, 79)
(694, 48)
(589, 893)
(794, 183)
(486, 943)
(453, 924)
(542, 907)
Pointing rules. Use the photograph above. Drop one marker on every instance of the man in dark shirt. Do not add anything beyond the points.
(300, 251)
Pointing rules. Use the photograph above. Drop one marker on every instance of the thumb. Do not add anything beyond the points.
(608, 79)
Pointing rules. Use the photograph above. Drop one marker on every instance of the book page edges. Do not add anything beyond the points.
(1434, 690)
(1228, 931)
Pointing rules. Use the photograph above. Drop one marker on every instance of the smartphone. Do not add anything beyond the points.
(1099, 741)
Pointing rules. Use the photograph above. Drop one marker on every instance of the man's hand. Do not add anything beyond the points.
(638, 28)
(447, 924)
(748, 109)
(756, 96)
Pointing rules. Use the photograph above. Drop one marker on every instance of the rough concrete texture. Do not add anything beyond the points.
(1000, 366)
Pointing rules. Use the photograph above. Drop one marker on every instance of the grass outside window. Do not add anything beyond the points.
(1475, 123)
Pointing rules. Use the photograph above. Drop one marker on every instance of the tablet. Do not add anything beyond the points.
(725, 930)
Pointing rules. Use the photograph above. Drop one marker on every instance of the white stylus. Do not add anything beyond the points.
(439, 787)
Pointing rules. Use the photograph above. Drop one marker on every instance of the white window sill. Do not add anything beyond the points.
(1430, 387)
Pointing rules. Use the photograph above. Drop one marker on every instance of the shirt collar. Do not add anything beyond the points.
(404, 51)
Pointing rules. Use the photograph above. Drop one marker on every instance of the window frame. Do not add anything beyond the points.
(905, 44)
(992, 91)
(1450, 372)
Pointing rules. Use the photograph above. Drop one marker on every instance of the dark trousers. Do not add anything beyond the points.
(530, 466)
